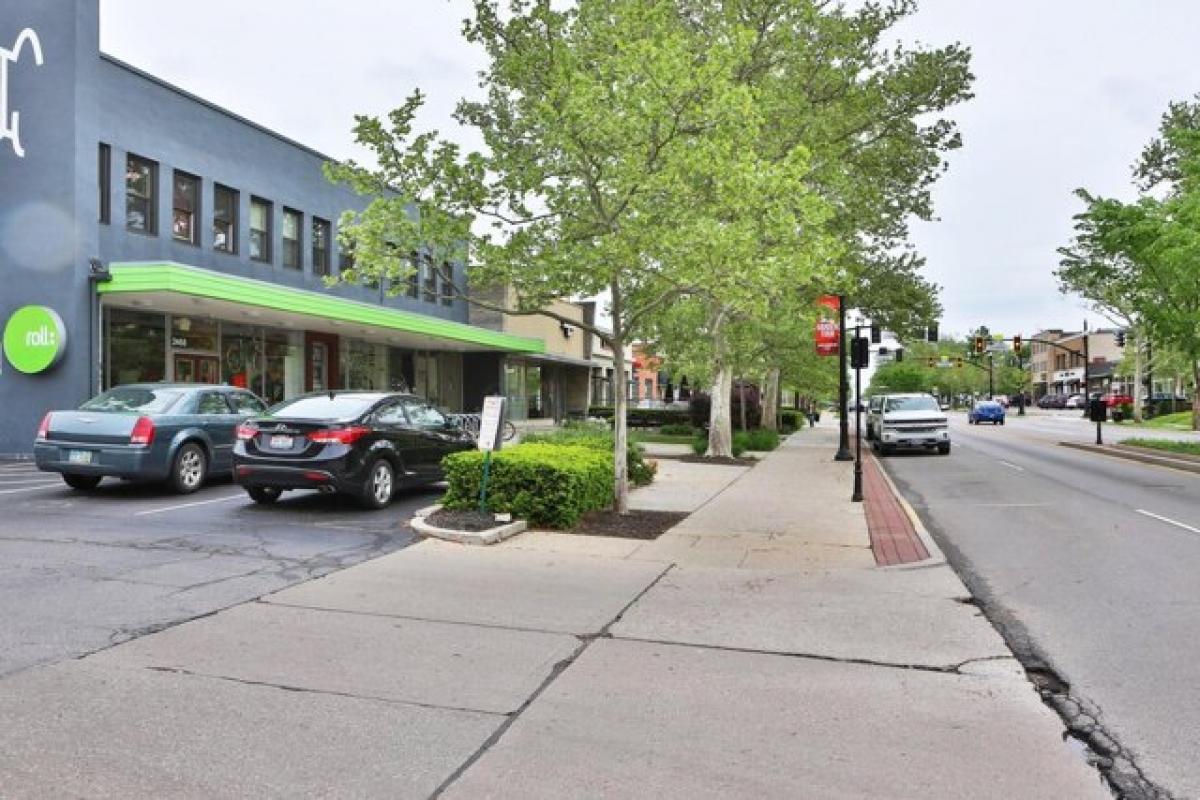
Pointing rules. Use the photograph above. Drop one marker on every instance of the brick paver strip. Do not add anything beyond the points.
(894, 540)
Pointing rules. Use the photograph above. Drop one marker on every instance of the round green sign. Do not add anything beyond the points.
(35, 339)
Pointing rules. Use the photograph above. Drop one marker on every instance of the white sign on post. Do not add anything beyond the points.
(491, 423)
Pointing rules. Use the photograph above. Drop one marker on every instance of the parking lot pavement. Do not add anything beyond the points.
(80, 571)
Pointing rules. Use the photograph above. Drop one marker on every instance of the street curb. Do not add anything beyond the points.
(1130, 454)
(490, 536)
(936, 556)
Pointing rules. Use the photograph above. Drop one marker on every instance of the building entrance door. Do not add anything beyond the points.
(320, 362)
(196, 369)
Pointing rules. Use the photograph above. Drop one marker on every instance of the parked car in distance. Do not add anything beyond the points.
(1002, 399)
(874, 407)
(1116, 399)
(986, 411)
(911, 421)
(1051, 401)
(177, 433)
(365, 444)
(1075, 401)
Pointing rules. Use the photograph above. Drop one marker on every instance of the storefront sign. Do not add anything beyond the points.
(10, 124)
(827, 334)
(35, 339)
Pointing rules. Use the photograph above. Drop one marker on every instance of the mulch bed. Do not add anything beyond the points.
(634, 525)
(462, 520)
(725, 462)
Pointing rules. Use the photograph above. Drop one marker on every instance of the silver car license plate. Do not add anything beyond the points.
(281, 442)
(79, 456)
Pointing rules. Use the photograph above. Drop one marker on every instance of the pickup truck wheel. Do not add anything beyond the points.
(885, 449)
(944, 449)
(189, 469)
(83, 483)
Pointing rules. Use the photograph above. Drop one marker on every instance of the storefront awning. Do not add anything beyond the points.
(169, 281)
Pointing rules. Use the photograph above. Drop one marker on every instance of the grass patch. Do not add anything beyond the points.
(1181, 421)
(1186, 448)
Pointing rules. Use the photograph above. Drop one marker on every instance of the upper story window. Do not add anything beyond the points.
(105, 183)
(413, 284)
(430, 284)
(185, 208)
(293, 222)
(260, 229)
(225, 219)
(141, 194)
(447, 284)
(320, 246)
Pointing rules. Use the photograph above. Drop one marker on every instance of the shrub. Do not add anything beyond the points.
(598, 437)
(759, 439)
(546, 484)
(790, 420)
(643, 417)
(677, 429)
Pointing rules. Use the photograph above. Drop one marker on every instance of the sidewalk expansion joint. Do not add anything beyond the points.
(409, 618)
(949, 669)
(283, 687)
(555, 671)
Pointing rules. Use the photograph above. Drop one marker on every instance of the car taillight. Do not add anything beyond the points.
(339, 435)
(143, 432)
(44, 427)
(246, 432)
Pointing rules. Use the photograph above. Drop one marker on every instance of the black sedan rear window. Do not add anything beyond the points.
(134, 398)
(338, 407)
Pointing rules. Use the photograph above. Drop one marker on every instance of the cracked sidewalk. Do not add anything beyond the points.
(561, 667)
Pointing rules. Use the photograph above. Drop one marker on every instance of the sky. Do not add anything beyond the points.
(1067, 94)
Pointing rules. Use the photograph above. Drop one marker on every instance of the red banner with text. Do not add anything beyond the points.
(827, 334)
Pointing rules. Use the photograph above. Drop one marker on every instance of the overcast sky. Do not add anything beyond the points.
(1067, 93)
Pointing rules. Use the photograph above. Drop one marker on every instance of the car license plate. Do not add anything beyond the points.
(79, 456)
(281, 442)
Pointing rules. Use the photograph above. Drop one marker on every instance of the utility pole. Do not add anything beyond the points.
(1087, 389)
(843, 453)
(991, 377)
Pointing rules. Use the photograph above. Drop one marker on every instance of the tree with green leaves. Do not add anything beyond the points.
(1145, 255)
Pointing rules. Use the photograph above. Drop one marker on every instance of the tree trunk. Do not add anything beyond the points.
(620, 425)
(1138, 369)
(770, 400)
(1196, 395)
(720, 422)
(742, 405)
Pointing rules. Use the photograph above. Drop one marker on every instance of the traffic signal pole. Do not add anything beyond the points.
(843, 452)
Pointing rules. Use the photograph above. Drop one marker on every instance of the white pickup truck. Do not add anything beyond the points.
(911, 420)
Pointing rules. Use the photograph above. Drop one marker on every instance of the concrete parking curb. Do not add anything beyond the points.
(490, 536)
(936, 556)
(1130, 453)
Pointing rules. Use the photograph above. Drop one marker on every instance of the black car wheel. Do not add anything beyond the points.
(82, 482)
(944, 449)
(263, 494)
(379, 485)
(189, 469)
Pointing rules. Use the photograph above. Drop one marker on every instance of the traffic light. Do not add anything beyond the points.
(958, 362)
(1017, 343)
(860, 353)
(899, 355)
(876, 334)
(932, 362)
(1121, 339)
(980, 344)
(931, 333)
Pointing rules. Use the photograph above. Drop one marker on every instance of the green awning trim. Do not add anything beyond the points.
(195, 282)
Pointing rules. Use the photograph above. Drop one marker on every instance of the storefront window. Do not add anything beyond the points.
(364, 365)
(136, 347)
(242, 357)
(514, 389)
(428, 381)
(285, 365)
(194, 333)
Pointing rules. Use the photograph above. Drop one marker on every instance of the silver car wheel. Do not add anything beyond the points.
(381, 483)
(191, 468)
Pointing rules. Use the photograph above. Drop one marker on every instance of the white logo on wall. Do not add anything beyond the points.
(10, 124)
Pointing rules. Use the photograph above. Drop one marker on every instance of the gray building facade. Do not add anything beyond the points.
(212, 237)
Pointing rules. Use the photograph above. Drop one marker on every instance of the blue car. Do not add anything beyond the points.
(176, 433)
(986, 411)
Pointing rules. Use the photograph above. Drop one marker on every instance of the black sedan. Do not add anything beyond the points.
(176, 433)
(365, 444)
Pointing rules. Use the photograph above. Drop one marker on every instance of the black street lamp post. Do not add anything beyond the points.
(843, 453)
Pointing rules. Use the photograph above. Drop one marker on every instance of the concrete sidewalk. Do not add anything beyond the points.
(754, 651)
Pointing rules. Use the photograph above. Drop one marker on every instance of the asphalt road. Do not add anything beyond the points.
(1089, 565)
(82, 571)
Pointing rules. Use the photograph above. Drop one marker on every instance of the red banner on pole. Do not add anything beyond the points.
(827, 334)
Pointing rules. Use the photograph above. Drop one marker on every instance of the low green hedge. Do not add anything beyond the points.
(599, 437)
(790, 420)
(549, 485)
(644, 417)
(759, 440)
